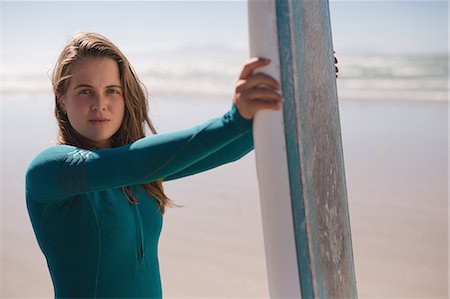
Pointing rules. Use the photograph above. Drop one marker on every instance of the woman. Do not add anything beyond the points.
(96, 200)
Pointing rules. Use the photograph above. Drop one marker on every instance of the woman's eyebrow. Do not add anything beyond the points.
(89, 86)
(82, 85)
(114, 86)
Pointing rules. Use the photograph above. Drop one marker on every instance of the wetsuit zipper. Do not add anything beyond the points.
(138, 222)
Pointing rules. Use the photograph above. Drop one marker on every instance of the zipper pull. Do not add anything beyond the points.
(130, 197)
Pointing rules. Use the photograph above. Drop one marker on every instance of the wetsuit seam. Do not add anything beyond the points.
(76, 170)
(83, 179)
(65, 184)
(172, 157)
(41, 221)
(99, 246)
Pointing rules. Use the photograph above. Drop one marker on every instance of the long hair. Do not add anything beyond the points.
(92, 45)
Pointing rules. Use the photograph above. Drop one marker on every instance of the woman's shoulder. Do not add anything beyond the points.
(45, 169)
(52, 156)
(53, 153)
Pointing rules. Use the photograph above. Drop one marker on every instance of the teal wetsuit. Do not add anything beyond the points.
(97, 242)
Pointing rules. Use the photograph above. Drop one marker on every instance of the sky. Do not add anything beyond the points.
(36, 30)
(390, 27)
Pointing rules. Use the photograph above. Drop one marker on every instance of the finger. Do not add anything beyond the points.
(252, 65)
(248, 110)
(262, 93)
(256, 80)
(335, 59)
(261, 104)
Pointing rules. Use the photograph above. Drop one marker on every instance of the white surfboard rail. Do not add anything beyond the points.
(299, 154)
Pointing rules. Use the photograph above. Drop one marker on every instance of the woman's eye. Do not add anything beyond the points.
(85, 91)
(113, 91)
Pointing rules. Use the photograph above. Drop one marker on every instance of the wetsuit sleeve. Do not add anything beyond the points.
(229, 153)
(62, 172)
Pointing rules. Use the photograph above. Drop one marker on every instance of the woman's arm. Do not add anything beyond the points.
(229, 153)
(64, 171)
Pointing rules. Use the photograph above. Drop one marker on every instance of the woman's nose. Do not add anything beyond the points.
(99, 102)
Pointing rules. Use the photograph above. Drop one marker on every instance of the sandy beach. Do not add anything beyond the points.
(396, 167)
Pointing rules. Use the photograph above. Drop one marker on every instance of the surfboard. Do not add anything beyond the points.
(299, 155)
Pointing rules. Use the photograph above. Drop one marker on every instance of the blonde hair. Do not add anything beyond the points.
(93, 45)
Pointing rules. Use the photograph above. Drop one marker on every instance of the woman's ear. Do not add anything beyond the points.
(61, 102)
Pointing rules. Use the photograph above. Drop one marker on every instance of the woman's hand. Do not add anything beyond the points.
(335, 63)
(255, 92)
(259, 91)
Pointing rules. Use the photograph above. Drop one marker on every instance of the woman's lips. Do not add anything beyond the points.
(99, 121)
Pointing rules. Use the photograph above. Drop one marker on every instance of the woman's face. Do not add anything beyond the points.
(94, 100)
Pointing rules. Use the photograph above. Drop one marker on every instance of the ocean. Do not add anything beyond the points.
(211, 73)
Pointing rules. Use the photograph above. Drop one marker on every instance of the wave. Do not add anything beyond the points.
(360, 77)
